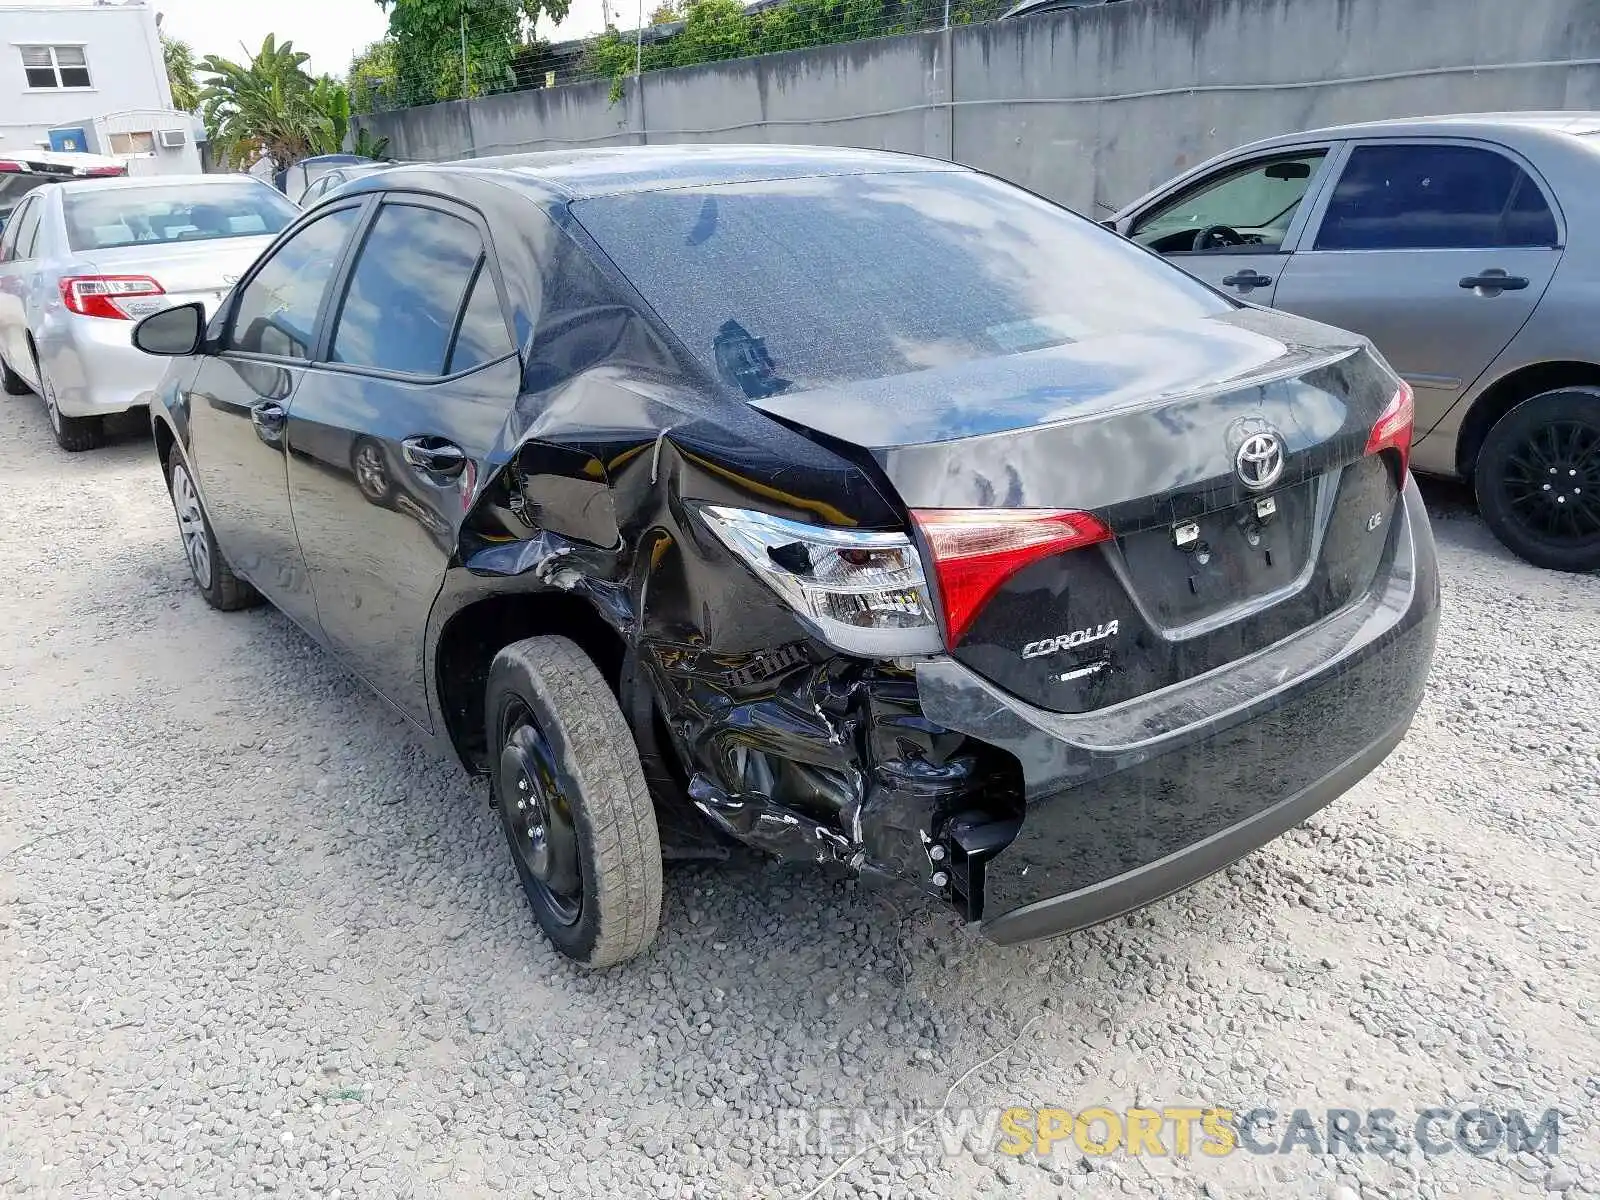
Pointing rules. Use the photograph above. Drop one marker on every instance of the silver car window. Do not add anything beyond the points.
(1258, 201)
(1434, 196)
(28, 228)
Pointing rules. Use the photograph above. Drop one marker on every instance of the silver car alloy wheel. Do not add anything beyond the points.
(192, 524)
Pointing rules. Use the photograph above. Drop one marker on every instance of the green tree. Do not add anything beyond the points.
(665, 13)
(429, 37)
(264, 107)
(331, 99)
(372, 78)
(179, 59)
(368, 146)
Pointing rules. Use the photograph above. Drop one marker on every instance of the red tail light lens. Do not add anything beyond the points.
(8, 167)
(975, 550)
(1392, 431)
(107, 295)
(103, 172)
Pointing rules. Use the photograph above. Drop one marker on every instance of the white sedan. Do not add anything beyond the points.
(81, 261)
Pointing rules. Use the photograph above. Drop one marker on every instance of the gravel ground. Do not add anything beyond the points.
(256, 939)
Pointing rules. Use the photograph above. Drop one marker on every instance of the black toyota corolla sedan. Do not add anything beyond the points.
(862, 509)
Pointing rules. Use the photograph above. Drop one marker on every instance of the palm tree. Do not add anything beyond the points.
(266, 107)
(179, 59)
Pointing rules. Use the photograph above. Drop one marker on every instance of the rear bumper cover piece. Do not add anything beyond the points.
(1131, 803)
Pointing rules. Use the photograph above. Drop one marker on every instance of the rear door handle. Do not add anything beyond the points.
(1246, 278)
(268, 416)
(1494, 280)
(433, 454)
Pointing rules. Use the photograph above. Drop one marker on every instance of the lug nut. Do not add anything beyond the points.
(940, 878)
(936, 852)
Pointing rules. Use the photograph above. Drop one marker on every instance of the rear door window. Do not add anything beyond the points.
(406, 291)
(277, 309)
(8, 240)
(28, 228)
(1434, 196)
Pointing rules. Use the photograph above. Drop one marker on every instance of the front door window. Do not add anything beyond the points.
(1239, 209)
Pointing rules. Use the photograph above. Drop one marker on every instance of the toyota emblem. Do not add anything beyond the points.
(1259, 460)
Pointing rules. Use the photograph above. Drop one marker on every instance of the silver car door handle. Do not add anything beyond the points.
(1494, 281)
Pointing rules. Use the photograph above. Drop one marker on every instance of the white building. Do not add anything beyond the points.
(90, 77)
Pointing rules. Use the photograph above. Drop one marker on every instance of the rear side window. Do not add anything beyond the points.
(277, 310)
(482, 337)
(406, 291)
(791, 284)
(1434, 197)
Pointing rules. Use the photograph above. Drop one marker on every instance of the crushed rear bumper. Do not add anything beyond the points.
(1133, 802)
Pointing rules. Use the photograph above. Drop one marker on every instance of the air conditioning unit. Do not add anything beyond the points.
(171, 139)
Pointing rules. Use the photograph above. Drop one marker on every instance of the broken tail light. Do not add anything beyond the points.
(110, 295)
(863, 592)
(975, 550)
(1394, 426)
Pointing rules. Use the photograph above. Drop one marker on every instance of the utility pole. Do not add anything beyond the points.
(638, 43)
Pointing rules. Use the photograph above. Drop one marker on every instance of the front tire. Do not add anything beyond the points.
(210, 571)
(1538, 479)
(573, 802)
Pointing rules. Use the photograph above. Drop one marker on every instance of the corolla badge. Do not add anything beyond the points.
(1259, 460)
(1067, 641)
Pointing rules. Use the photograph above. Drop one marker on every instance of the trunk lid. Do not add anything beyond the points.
(1145, 431)
(202, 270)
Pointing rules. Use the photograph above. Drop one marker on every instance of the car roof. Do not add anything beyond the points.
(1448, 125)
(578, 174)
(135, 182)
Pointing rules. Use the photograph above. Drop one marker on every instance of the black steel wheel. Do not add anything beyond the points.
(573, 802)
(1538, 479)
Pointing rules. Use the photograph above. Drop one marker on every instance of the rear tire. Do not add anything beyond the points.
(573, 802)
(1538, 479)
(73, 434)
(12, 382)
(213, 577)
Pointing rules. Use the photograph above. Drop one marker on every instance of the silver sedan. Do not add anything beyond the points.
(80, 262)
(1461, 247)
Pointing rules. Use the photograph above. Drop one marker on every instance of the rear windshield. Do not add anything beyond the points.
(791, 284)
(149, 216)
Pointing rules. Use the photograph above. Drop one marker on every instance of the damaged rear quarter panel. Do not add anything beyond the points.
(617, 437)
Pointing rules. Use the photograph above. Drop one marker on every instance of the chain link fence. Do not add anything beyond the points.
(493, 55)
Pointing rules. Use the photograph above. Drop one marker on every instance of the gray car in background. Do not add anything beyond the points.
(1459, 246)
(80, 262)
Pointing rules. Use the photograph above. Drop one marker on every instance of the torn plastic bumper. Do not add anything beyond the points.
(1130, 803)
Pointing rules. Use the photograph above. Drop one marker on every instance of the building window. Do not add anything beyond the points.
(55, 66)
(133, 143)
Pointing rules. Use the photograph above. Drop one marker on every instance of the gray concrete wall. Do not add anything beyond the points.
(1090, 107)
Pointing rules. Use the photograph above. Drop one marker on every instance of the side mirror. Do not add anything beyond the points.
(172, 331)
